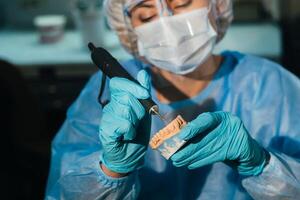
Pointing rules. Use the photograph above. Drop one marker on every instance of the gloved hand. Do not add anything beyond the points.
(125, 117)
(219, 136)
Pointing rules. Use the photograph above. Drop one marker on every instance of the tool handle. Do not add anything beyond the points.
(112, 68)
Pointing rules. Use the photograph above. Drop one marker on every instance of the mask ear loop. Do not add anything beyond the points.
(132, 38)
(129, 28)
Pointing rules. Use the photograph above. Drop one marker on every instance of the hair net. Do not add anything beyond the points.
(116, 18)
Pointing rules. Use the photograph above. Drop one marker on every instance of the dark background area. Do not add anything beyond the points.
(34, 100)
(32, 110)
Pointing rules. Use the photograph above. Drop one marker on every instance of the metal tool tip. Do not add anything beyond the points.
(155, 111)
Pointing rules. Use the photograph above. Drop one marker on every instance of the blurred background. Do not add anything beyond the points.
(44, 63)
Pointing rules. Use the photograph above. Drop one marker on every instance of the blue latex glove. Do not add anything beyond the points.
(125, 117)
(219, 136)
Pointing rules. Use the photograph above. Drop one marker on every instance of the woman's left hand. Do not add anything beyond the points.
(220, 136)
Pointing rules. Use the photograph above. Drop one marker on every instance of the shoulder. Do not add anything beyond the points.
(266, 94)
(259, 79)
(254, 70)
(247, 65)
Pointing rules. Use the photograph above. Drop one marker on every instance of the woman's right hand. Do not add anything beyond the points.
(125, 117)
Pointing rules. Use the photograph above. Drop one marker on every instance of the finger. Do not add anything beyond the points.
(221, 115)
(130, 103)
(199, 159)
(124, 85)
(208, 160)
(180, 158)
(144, 79)
(122, 111)
(112, 127)
(201, 124)
(199, 148)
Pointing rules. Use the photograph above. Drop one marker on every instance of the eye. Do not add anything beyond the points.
(146, 19)
(183, 4)
(179, 4)
(144, 12)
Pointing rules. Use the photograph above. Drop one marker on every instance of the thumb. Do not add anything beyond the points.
(144, 79)
(202, 123)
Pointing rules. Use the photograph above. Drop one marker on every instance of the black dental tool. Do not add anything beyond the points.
(112, 68)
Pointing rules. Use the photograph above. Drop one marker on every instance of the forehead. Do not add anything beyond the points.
(136, 2)
(130, 4)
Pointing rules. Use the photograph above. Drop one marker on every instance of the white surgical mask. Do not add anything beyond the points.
(178, 43)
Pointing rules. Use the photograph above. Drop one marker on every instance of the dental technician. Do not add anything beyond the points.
(243, 135)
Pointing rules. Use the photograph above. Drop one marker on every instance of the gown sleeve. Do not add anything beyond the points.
(276, 107)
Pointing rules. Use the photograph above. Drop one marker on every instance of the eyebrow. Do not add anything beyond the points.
(142, 4)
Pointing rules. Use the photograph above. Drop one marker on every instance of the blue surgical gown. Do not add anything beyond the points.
(263, 94)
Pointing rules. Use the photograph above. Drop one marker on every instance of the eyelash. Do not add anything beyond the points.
(148, 19)
(186, 4)
(183, 5)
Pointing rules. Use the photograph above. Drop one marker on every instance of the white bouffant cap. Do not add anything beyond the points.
(117, 20)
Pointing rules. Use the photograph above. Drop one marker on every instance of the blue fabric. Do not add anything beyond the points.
(261, 93)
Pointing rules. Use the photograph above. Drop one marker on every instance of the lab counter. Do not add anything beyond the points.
(261, 39)
(57, 72)
(24, 50)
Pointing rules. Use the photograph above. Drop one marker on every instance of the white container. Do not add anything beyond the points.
(50, 27)
(89, 20)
